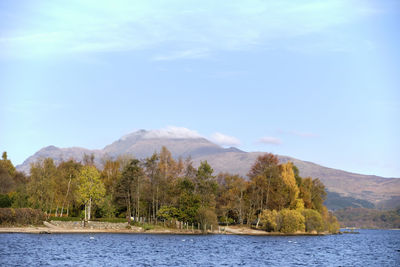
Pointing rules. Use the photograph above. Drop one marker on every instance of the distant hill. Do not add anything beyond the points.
(369, 218)
(142, 143)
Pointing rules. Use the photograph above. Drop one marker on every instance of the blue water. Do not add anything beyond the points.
(369, 248)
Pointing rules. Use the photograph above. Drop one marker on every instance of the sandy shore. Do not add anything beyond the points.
(231, 230)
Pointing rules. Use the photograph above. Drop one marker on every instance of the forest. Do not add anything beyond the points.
(161, 189)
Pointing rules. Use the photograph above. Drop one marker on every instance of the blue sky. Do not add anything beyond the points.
(315, 80)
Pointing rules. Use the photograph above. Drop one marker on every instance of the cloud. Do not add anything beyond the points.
(193, 29)
(270, 140)
(172, 132)
(225, 140)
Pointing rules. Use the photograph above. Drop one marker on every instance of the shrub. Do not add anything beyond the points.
(290, 221)
(313, 220)
(269, 219)
(23, 216)
(168, 213)
(5, 201)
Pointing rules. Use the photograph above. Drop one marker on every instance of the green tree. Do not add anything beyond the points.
(90, 188)
(205, 184)
(188, 201)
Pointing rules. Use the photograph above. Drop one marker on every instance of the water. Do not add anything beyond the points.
(369, 248)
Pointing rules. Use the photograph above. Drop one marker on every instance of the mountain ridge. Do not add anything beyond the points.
(142, 144)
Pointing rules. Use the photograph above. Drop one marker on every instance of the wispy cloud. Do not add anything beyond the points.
(270, 140)
(96, 26)
(225, 140)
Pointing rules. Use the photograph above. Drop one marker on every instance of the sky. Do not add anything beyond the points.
(315, 80)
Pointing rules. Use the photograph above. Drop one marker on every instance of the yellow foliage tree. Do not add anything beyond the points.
(288, 178)
(91, 189)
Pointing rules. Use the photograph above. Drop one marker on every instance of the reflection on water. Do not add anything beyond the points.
(369, 248)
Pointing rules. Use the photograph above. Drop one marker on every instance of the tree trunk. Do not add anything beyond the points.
(89, 208)
(66, 195)
(85, 212)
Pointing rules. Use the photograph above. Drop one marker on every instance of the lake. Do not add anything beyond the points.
(369, 248)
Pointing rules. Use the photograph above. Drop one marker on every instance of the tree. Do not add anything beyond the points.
(110, 175)
(128, 187)
(6, 181)
(6, 164)
(232, 190)
(7, 173)
(291, 189)
(67, 179)
(169, 170)
(167, 213)
(153, 173)
(188, 201)
(318, 195)
(41, 187)
(264, 175)
(206, 216)
(205, 184)
(90, 188)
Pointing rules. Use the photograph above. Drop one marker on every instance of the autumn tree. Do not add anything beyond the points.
(263, 175)
(231, 196)
(90, 188)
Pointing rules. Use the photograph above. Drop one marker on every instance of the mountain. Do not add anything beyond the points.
(142, 143)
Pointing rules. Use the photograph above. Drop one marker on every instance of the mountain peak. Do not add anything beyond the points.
(170, 132)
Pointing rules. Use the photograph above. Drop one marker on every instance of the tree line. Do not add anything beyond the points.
(160, 188)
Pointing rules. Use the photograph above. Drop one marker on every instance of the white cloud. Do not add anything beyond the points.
(270, 140)
(172, 132)
(225, 140)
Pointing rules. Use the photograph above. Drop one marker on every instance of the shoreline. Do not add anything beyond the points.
(139, 230)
